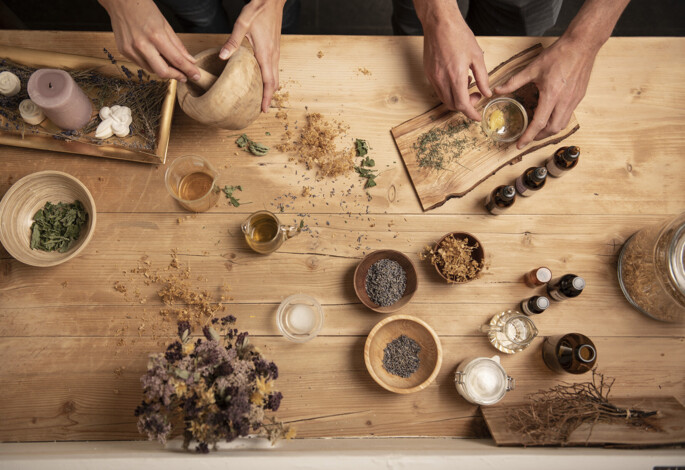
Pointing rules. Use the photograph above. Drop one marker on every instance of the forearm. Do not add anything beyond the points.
(431, 12)
(594, 23)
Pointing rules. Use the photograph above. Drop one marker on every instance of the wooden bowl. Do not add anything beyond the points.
(363, 268)
(25, 198)
(430, 356)
(478, 254)
(234, 101)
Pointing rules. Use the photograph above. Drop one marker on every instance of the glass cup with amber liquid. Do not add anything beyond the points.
(264, 233)
(192, 181)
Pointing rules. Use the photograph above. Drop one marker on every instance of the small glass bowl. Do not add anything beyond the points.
(292, 320)
(515, 119)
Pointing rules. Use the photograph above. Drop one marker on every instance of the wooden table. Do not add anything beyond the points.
(73, 348)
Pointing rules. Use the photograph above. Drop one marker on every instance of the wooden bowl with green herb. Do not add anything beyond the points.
(403, 354)
(458, 257)
(46, 218)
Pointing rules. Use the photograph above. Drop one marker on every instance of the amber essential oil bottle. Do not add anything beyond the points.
(534, 305)
(563, 160)
(565, 287)
(538, 277)
(533, 179)
(500, 199)
(573, 353)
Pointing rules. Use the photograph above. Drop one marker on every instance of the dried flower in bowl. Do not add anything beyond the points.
(220, 388)
(458, 257)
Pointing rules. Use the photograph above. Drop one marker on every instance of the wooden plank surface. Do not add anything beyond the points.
(481, 158)
(74, 348)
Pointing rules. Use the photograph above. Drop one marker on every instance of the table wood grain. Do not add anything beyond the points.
(73, 348)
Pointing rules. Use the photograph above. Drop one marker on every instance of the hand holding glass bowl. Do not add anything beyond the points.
(504, 119)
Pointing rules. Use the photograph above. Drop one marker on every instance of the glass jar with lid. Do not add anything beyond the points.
(482, 380)
(651, 270)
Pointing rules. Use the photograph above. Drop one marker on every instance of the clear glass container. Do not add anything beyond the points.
(504, 119)
(510, 331)
(300, 318)
(651, 270)
(192, 181)
(482, 380)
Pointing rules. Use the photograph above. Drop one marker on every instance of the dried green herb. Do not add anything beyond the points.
(244, 142)
(364, 171)
(441, 145)
(228, 192)
(362, 147)
(56, 226)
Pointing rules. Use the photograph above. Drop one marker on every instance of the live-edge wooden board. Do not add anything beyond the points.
(483, 157)
(666, 428)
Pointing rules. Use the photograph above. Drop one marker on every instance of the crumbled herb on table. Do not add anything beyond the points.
(257, 149)
(228, 192)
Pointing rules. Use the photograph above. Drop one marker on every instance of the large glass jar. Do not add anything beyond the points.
(651, 270)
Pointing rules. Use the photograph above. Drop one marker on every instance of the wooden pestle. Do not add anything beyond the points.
(206, 79)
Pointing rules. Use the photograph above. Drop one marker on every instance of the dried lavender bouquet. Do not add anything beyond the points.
(219, 387)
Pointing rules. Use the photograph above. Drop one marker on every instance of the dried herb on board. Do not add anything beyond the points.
(245, 143)
(552, 415)
(442, 145)
(56, 226)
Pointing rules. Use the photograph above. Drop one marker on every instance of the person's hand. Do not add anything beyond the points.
(260, 21)
(561, 73)
(145, 37)
(450, 50)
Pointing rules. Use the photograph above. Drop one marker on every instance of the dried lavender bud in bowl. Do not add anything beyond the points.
(386, 282)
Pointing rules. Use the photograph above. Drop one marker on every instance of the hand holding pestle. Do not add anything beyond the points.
(206, 79)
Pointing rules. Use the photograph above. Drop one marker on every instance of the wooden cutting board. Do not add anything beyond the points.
(478, 157)
(669, 426)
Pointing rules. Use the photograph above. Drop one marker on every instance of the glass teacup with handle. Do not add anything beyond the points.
(265, 234)
(510, 331)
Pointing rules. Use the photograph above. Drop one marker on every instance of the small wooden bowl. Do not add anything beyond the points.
(430, 356)
(25, 198)
(478, 254)
(363, 269)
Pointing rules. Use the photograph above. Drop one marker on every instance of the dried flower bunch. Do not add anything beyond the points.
(454, 258)
(219, 387)
(552, 415)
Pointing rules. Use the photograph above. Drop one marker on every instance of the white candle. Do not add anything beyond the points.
(10, 84)
(31, 113)
(301, 319)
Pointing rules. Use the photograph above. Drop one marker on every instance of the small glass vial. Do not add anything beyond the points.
(534, 305)
(500, 199)
(565, 287)
(538, 277)
(563, 160)
(533, 179)
(573, 353)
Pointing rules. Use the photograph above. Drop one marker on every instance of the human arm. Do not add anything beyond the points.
(260, 21)
(562, 71)
(145, 37)
(450, 50)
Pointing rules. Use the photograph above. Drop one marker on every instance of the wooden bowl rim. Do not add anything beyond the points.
(464, 235)
(89, 234)
(438, 359)
(397, 305)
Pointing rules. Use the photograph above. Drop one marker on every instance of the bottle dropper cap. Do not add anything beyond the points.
(578, 283)
(540, 173)
(509, 192)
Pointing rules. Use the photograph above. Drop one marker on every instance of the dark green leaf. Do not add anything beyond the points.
(362, 147)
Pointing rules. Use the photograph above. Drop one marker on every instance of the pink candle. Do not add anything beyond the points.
(60, 98)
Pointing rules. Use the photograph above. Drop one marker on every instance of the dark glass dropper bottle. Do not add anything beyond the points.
(563, 160)
(533, 179)
(500, 199)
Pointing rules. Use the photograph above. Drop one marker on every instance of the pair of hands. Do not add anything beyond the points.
(145, 37)
(561, 74)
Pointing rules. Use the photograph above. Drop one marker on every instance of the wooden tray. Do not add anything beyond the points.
(669, 426)
(482, 158)
(36, 58)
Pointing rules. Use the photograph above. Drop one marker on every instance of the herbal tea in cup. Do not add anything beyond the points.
(264, 233)
(510, 331)
(191, 180)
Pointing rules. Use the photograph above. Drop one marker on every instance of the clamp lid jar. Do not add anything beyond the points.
(482, 380)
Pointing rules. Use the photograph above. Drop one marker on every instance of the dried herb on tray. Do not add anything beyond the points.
(245, 143)
(219, 387)
(56, 226)
(439, 146)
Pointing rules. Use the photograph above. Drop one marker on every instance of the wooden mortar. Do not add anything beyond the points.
(234, 101)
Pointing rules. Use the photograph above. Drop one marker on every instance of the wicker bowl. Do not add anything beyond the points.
(25, 198)
(363, 269)
(430, 356)
(478, 254)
